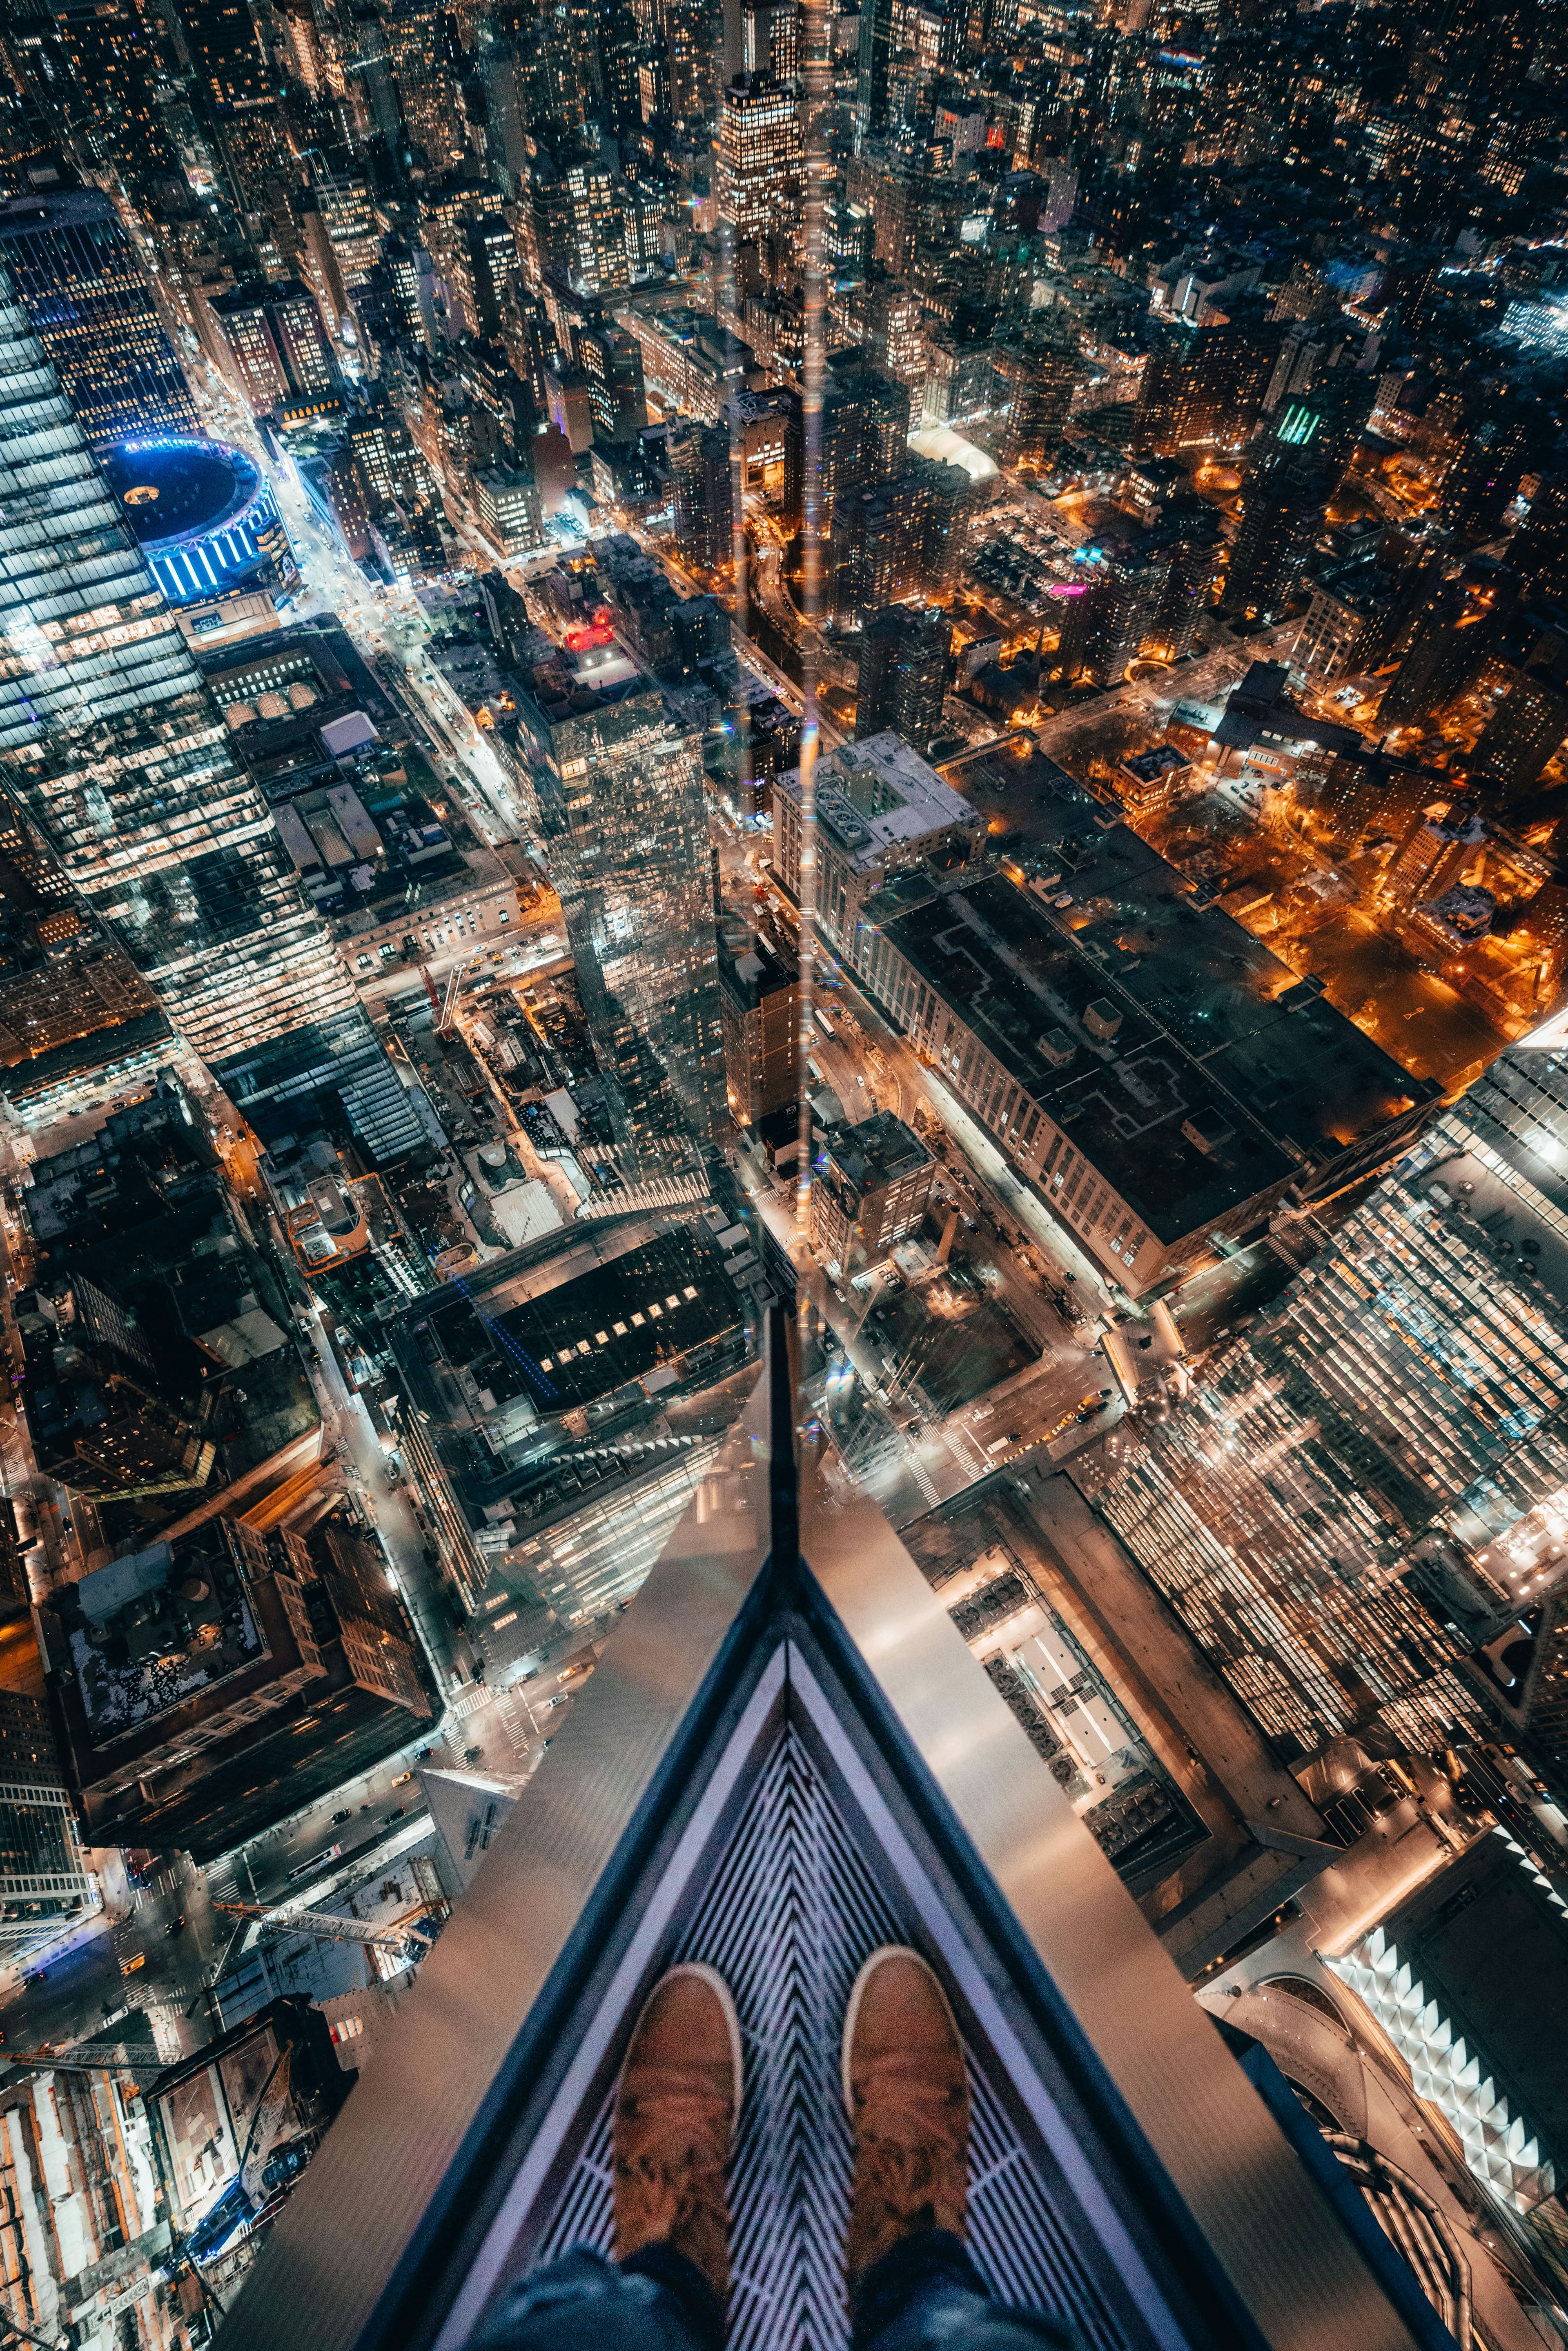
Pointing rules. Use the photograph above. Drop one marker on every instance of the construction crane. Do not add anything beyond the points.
(316, 1922)
(90, 2057)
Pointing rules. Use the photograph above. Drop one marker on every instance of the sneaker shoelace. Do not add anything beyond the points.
(680, 2127)
(914, 2131)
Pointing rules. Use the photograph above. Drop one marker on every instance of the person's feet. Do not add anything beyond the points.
(908, 2097)
(675, 2123)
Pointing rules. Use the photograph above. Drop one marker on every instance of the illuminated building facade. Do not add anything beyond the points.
(1283, 502)
(759, 162)
(278, 346)
(1359, 1516)
(113, 748)
(704, 505)
(872, 1193)
(203, 516)
(1105, 627)
(760, 1008)
(906, 657)
(577, 221)
(1205, 383)
(44, 1883)
(78, 279)
(432, 106)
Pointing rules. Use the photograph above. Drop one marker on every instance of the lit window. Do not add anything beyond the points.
(637, 1321)
(509, 1618)
(548, 1364)
(601, 1338)
(690, 1290)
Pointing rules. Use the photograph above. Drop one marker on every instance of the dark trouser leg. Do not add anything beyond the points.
(656, 2301)
(927, 2292)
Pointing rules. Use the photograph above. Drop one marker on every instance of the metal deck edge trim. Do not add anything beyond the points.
(610, 2011)
(363, 2239)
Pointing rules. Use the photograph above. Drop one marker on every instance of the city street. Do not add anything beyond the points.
(388, 622)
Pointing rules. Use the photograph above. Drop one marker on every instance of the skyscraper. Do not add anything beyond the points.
(221, 38)
(612, 360)
(431, 107)
(44, 1883)
(1282, 502)
(700, 464)
(1205, 383)
(625, 828)
(693, 45)
(77, 276)
(1529, 725)
(865, 436)
(112, 746)
(1106, 627)
(877, 47)
(1039, 370)
(1482, 482)
(112, 51)
(1437, 660)
(577, 219)
(278, 346)
(1538, 553)
(905, 653)
(760, 1008)
(759, 160)
(877, 553)
(237, 91)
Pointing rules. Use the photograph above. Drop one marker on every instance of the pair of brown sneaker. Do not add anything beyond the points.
(679, 2102)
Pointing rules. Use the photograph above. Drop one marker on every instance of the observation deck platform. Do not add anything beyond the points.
(786, 1758)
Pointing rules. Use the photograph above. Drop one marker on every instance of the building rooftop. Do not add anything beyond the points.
(153, 1636)
(523, 1371)
(757, 970)
(877, 1151)
(1182, 1149)
(950, 448)
(174, 490)
(879, 796)
(1316, 1082)
(1259, 708)
(124, 1045)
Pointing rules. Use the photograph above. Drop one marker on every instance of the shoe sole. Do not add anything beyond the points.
(717, 1986)
(857, 1993)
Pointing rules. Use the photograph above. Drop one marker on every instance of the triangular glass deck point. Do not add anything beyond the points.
(787, 1757)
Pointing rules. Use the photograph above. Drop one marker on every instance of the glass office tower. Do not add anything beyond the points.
(112, 745)
(627, 827)
(91, 307)
(1361, 1515)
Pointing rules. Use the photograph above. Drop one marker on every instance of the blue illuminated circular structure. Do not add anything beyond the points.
(204, 515)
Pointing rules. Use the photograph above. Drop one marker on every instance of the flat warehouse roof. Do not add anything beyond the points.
(1015, 981)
